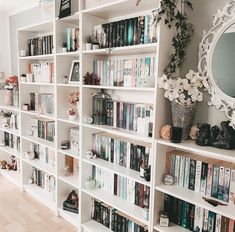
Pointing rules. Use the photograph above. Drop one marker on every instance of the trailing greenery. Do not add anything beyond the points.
(176, 18)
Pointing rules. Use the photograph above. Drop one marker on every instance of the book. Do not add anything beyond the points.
(215, 180)
(221, 183)
(192, 174)
(204, 178)
(198, 176)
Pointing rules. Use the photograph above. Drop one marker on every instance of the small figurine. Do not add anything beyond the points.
(193, 132)
(165, 132)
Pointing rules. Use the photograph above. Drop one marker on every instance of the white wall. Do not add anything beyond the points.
(5, 60)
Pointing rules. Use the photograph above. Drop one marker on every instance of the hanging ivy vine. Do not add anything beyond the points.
(176, 18)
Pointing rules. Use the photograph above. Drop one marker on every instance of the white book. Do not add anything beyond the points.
(182, 171)
(198, 176)
(221, 183)
(128, 155)
(227, 174)
(186, 175)
(205, 220)
(232, 188)
(218, 223)
(177, 169)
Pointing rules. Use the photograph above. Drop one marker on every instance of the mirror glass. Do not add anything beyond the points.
(223, 62)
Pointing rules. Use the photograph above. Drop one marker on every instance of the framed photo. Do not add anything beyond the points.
(74, 72)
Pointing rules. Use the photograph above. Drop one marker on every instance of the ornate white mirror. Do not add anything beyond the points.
(217, 60)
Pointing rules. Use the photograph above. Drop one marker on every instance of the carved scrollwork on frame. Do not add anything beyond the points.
(222, 21)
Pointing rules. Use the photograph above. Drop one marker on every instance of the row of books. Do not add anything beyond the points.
(72, 35)
(40, 45)
(42, 102)
(114, 219)
(10, 121)
(44, 129)
(44, 181)
(126, 72)
(121, 152)
(42, 72)
(44, 154)
(206, 176)
(127, 189)
(130, 116)
(195, 218)
(133, 31)
(10, 140)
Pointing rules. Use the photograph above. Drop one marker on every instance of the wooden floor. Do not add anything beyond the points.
(19, 212)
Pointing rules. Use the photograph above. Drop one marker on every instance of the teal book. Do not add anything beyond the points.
(146, 29)
(185, 214)
(215, 181)
(211, 222)
(130, 37)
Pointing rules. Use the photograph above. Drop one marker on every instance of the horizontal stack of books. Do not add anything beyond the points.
(122, 187)
(10, 140)
(203, 175)
(195, 218)
(122, 152)
(42, 72)
(133, 31)
(43, 154)
(72, 39)
(126, 72)
(42, 102)
(40, 46)
(114, 219)
(44, 181)
(44, 129)
(130, 116)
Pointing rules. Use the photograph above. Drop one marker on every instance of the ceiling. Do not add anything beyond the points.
(15, 6)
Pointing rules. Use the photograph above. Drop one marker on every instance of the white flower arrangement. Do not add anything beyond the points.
(184, 91)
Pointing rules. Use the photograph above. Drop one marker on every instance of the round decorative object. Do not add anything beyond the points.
(89, 154)
(89, 119)
(168, 179)
(193, 132)
(29, 155)
(165, 132)
(30, 181)
(89, 184)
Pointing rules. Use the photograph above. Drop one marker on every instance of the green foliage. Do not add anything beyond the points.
(175, 18)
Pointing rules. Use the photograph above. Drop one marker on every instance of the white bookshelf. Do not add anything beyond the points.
(85, 18)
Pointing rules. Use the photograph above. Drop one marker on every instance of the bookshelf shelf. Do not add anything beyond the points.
(10, 130)
(196, 199)
(71, 180)
(171, 228)
(69, 152)
(41, 27)
(39, 57)
(10, 151)
(125, 172)
(71, 217)
(41, 195)
(120, 132)
(42, 166)
(131, 210)
(191, 146)
(68, 85)
(128, 50)
(38, 114)
(91, 226)
(12, 176)
(118, 88)
(75, 122)
(36, 83)
(120, 8)
(73, 54)
(39, 141)
(10, 108)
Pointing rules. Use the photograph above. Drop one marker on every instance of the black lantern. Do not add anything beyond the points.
(99, 107)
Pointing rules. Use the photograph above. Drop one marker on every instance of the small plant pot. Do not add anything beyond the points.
(95, 46)
(88, 46)
(72, 117)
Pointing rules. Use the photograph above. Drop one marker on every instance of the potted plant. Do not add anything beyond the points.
(73, 101)
(183, 93)
(9, 84)
(91, 79)
(89, 40)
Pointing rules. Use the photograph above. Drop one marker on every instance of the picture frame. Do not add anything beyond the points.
(74, 76)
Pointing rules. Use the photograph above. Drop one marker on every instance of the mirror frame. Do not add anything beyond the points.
(222, 21)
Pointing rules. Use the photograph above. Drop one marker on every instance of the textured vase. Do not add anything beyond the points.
(8, 99)
(182, 116)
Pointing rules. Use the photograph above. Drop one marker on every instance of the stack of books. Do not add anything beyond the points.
(114, 219)
(127, 189)
(203, 175)
(133, 31)
(122, 152)
(42, 72)
(130, 116)
(195, 218)
(44, 129)
(126, 72)
(40, 46)
(72, 39)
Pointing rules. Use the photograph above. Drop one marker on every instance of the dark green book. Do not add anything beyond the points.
(191, 215)
(185, 213)
(179, 212)
(118, 33)
(211, 222)
(135, 35)
(122, 33)
(141, 30)
(215, 181)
